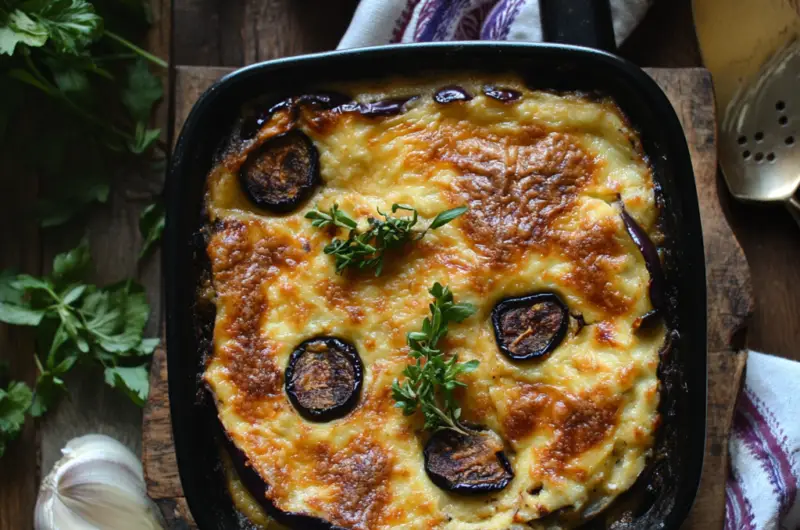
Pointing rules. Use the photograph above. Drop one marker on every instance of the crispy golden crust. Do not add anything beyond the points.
(540, 177)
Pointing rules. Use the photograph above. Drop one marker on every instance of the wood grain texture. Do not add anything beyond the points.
(113, 232)
(225, 33)
(19, 250)
(729, 297)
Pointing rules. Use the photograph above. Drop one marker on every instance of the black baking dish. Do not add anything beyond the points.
(663, 495)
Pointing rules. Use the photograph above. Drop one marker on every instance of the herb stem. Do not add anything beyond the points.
(115, 57)
(131, 46)
(45, 86)
(39, 366)
(450, 422)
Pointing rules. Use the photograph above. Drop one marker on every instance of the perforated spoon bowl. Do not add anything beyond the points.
(760, 132)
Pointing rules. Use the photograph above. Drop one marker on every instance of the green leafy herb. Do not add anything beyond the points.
(366, 249)
(70, 25)
(14, 402)
(151, 226)
(66, 51)
(77, 322)
(432, 379)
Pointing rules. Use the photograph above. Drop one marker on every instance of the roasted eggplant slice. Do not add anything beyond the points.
(450, 94)
(467, 463)
(282, 172)
(530, 326)
(651, 260)
(324, 99)
(251, 125)
(323, 378)
(385, 107)
(505, 95)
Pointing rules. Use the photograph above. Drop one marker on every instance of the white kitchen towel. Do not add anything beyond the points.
(761, 492)
(762, 489)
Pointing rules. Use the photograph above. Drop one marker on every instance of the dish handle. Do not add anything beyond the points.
(582, 22)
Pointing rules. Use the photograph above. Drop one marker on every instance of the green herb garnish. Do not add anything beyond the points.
(77, 322)
(14, 401)
(151, 226)
(431, 381)
(93, 91)
(366, 250)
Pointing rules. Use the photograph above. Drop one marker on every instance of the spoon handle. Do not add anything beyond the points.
(793, 205)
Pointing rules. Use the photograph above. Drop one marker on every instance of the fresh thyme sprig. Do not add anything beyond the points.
(365, 250)
(431, 381)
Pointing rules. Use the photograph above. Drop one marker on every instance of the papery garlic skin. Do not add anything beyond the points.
(97, 485)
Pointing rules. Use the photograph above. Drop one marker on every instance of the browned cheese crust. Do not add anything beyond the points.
(543, 178)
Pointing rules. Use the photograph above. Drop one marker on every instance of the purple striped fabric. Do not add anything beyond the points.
(499, 21)
(440, 20)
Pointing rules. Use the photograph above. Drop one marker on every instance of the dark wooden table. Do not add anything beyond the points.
(234, 33)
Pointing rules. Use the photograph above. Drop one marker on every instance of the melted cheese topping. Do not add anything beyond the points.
(541, 177)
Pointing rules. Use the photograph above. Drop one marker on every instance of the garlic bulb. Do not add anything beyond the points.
(97, 485)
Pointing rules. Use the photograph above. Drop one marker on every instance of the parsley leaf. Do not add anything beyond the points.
(73, 264)
(141, 92)
(71, 25)
(80, 322)
(133, 381)
(14, 402)
(115, 317)
(151, 226)
(432, 379)
(366, 250)
(49, 389)
(19, 28)
(14, 309)
(143, 139)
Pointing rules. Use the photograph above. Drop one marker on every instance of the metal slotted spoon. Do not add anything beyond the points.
(760, 133)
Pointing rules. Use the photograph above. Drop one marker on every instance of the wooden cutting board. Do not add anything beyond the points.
(729, 303)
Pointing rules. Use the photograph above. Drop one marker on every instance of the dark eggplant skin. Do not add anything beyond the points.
(256, 486)
(649, 320)
(328, 100)
(451, 94)
(651, 260)
(515, 303)
(385, 107)
(281, 173)
(438, 454)
(251, 125)
(506, 95)
(324, 99)
(343, 352)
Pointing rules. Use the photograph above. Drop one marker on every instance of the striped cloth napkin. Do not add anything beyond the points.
(761, 492)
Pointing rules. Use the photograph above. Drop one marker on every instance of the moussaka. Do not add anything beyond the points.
(437, 305)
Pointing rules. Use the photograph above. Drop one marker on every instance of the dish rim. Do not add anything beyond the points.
(185, 154)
